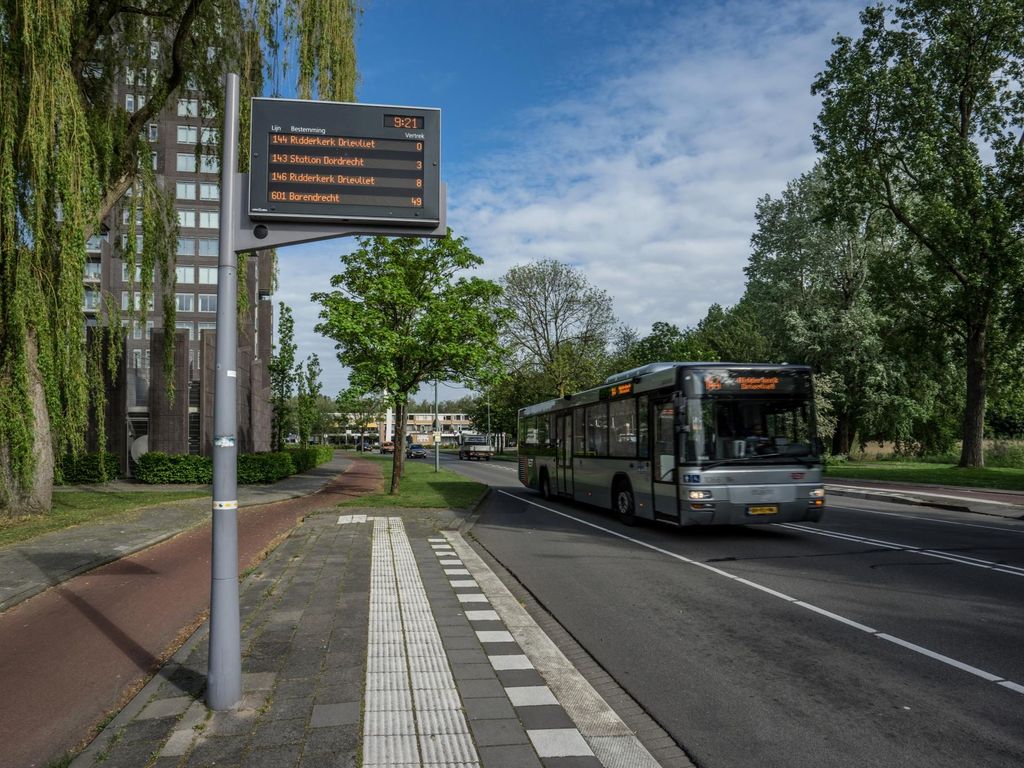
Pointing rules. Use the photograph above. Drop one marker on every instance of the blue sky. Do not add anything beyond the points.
(629, 139)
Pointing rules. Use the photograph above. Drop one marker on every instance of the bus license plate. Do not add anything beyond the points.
(764, 509)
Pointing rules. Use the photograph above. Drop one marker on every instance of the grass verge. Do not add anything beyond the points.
(422, 488)
(1000, 478)
(77, 507)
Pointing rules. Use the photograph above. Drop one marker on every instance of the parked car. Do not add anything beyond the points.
(387, 447)
(416, 451)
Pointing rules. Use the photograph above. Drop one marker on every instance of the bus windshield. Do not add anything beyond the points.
(723, 429)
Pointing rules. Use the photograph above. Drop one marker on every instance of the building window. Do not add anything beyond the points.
(154, 131)
(129, 76)
(186, 162)
(136, 330)
(187, 134)
(185, 326)
(207, 302)
(126, 278)
(184, 274)
(153, 160)
(154, 51)
(136, 301)
(210, 135)
(93, 270)
(149, 329)
(141, 100)
(209, 219)
(207, 276)
(209, 246)
(186, 246)
(208, 164)
(208, 191)
(184, 301)
(129, 102)
(185, 190)
(188, 108)
(93, 244)
(186, 218)
(92, 300)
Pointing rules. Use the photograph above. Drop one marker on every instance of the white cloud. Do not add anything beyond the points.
(647, 178)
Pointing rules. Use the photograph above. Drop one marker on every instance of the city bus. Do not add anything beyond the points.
(684, 443)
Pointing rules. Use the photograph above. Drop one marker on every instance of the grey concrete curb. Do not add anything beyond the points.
(908, 498)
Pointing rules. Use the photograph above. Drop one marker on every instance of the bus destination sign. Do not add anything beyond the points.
(345, 163)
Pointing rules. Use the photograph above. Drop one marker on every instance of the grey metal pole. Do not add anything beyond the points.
(224, 679)
(437, 433)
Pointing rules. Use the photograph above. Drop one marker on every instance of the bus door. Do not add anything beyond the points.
(664, 462)
(563, 453)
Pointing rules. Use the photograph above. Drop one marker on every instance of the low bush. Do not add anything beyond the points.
(264, 467)
(88, 468)
(253, 468)
(157, 467)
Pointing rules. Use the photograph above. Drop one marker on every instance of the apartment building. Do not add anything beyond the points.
(141, 415)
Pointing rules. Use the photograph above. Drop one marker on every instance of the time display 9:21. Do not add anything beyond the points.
(414, 122)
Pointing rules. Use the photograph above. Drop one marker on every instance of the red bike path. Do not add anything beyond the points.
(77, 652)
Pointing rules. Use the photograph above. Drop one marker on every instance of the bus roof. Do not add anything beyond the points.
(651, 376)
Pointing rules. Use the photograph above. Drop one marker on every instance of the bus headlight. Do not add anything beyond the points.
(699, 494)
(817, 493)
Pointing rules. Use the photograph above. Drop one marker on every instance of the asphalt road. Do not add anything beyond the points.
(886, 635)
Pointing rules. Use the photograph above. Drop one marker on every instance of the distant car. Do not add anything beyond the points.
(416, 452)
(387, 447)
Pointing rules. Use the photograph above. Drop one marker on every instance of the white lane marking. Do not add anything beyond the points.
(974, 562)
(820, 611)
(1011, 529)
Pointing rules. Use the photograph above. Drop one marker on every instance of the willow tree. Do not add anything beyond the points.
(70, 155)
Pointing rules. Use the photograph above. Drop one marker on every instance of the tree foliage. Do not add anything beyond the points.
(69, 153)
(308, 416)
(923, 116)
(283, 378)
(559, 324)
(402, 313)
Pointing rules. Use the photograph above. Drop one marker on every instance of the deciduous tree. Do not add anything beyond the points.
(924, 115)
(403, 312)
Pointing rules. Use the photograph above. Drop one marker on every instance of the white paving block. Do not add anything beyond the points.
(494, 636)
(530, 696)
(450, 562)
(442, 721)
(559, 742)
(472, 597)
(482, 615)
(510, 661)
(444, 699)
(394, 749)
(448, 748)
(456, 572)
(385, 722)
(463, 583)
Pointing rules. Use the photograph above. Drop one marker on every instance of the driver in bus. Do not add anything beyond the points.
(757, 442)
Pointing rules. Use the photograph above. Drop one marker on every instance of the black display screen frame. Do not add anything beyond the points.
(362, 124)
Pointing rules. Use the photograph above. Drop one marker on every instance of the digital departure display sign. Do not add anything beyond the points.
(754, 381)
(327, 161)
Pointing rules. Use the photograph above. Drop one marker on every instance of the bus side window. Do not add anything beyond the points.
(579, 432)
(643, 449)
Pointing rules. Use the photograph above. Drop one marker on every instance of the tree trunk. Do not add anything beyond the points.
(399, 457)
(972, 453)
(35, 497)
(841, 437)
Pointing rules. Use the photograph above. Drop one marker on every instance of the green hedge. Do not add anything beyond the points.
(157, 467)
(88, 468)
(264, 467)
(253, 468)
(313, 456)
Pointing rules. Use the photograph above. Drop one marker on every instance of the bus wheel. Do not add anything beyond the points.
(545, 486)
(624, 504)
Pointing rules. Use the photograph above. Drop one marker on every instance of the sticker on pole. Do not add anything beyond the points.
(224, 441)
